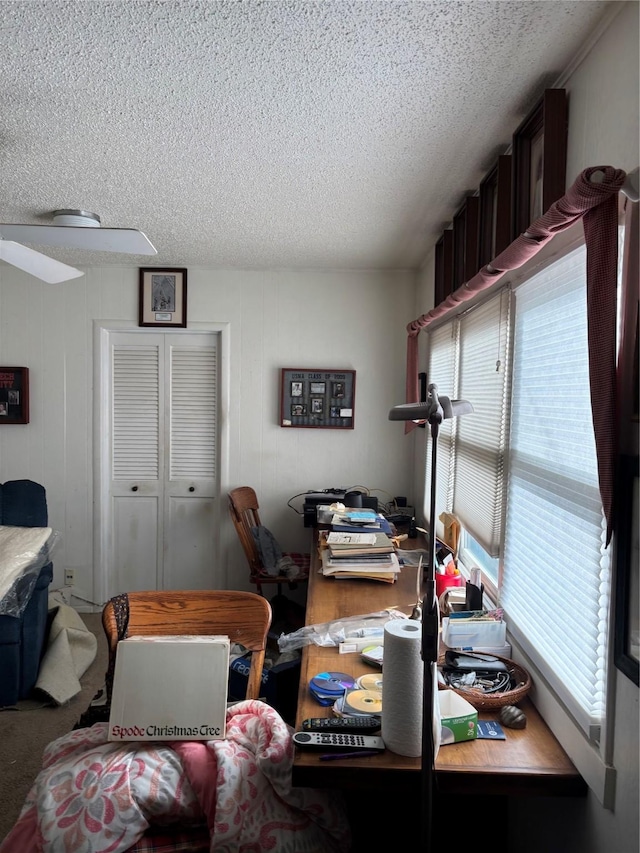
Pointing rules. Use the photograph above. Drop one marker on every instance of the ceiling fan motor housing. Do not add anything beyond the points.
(82, 218)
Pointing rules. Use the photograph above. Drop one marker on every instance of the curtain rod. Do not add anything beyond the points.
(594, 202)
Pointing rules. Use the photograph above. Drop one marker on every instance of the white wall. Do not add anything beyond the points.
(306, 319)
(353, 320)
(604, 95)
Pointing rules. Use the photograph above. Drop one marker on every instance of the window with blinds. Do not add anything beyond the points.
(520, 473)
(443, 369)
(555, 532)
(468, 359)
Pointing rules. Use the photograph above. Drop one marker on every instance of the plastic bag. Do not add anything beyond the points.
(24, 551)
(336, 632)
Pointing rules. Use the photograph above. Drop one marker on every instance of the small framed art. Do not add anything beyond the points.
(317, 398)
(539, 160)
(14, 395)
(163, 297)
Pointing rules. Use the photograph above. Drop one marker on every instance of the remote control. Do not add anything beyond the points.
(335, 740)
(349, 725)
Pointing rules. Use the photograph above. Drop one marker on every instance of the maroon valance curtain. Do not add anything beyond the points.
(596, 204)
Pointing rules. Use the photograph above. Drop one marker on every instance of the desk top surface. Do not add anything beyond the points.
(528, 761)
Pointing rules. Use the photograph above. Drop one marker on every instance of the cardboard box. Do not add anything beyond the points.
(458, 718)
(170, 688)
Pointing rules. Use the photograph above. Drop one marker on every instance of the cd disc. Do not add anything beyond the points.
(370, 681)
(337, 707)
(362, 702)
(332, 682)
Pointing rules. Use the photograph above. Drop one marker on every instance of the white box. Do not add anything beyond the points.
(463, 634)
(458, 718)
(170, 688)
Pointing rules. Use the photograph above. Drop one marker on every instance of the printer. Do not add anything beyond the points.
(312, 500)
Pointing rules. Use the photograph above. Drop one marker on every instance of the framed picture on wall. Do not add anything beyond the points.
(14, 395)
(539, 152)
(317, 398)
(163, 297)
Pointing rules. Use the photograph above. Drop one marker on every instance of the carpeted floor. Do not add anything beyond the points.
(25, 732)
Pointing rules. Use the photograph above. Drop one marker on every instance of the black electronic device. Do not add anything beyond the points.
(312, 500)
(470, 662)
(336, 740)
(350, 725)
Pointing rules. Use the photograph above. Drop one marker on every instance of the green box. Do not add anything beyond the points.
(458, 718)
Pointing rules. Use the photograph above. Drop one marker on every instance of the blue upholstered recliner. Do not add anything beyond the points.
(23, 503)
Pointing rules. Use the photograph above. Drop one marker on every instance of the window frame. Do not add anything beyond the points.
(594, 761)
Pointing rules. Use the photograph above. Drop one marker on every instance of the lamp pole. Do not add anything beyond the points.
(429, 650)
(433, 410)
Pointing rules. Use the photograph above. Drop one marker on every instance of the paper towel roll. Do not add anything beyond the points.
(402, 680)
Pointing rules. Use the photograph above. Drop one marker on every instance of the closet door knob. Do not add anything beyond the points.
(134, 488)
(192, 488)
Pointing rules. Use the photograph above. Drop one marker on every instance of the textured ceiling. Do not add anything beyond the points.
(329, 134)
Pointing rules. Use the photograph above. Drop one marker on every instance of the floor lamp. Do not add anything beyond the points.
(433, 411)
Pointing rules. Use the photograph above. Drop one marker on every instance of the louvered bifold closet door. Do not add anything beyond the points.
(164, 403)
(191, 487)
(137, 460)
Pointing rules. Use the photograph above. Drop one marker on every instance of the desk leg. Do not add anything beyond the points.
(460, 821)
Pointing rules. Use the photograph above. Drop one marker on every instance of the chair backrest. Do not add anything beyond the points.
(244, 617)
(243, 507)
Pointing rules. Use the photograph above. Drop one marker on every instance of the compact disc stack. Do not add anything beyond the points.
(370, 681)
(327, 687)
(359, 703)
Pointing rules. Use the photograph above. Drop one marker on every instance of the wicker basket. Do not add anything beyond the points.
(488, 701)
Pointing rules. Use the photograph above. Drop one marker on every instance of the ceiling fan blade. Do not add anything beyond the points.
(42, 267)
(126, 240)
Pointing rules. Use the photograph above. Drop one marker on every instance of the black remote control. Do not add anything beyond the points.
(349, 725)
(333, 740)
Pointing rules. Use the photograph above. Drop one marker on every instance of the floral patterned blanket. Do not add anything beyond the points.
(95, 796)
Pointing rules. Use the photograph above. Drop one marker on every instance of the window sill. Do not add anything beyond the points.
(599, 776)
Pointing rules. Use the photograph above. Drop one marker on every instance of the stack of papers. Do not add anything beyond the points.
(365, 555)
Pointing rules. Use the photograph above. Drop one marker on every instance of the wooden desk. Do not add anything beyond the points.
(530, 761)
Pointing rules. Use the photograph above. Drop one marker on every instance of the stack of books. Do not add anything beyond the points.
(368, 555)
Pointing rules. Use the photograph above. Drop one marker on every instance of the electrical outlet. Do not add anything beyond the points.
(69, 577)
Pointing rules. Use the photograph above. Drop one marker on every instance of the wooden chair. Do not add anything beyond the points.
(242, 616)
(244, 510)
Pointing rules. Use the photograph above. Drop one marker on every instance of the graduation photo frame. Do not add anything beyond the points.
(320, 399)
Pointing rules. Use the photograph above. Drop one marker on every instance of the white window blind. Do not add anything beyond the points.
(468, 360)
(441, 371)
(481, 436)
(555, 587)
